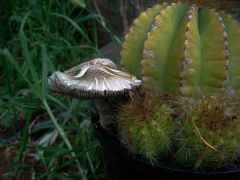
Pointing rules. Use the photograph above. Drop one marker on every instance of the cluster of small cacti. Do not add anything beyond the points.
(185, 51)
(204, 133)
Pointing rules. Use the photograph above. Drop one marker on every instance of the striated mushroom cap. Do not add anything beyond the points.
(96, 78)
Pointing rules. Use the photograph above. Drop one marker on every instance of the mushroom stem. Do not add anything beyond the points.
(108, 109)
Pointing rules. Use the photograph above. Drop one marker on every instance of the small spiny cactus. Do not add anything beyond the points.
(210, 135)
(146, 127)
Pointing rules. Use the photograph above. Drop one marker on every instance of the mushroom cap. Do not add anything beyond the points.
(96, 78)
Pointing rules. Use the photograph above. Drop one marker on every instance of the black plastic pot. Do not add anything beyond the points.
(122, 165)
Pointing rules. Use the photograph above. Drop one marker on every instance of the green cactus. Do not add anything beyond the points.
(146, 127)
(210, 135)
(183, 49)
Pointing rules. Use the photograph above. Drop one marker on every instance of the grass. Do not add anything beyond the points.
(44, 135)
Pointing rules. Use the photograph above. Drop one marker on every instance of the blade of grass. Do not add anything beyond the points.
(55, 100)
(75, 25)
(73, 105)
(80, 3)
(91, 166)
(88, 17)
(102, 22)
(95, 34)
(64, 137)
(48, 139)
(8, 81)
(10, 58)
(8, 74)
(24, 141)
(45, 59)
(23, 40)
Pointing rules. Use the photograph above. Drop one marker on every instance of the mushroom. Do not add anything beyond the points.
(96, 79)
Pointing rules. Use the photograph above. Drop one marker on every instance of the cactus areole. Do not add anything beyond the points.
(184, 50)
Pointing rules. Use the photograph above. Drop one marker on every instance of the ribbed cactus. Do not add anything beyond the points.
(183, 49)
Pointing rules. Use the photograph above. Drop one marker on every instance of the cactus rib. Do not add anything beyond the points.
(160, 56)
(192, 55)
(133, 44)
(233, 32)
(204, 74)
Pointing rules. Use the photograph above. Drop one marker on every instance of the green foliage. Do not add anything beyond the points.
(49, 135)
